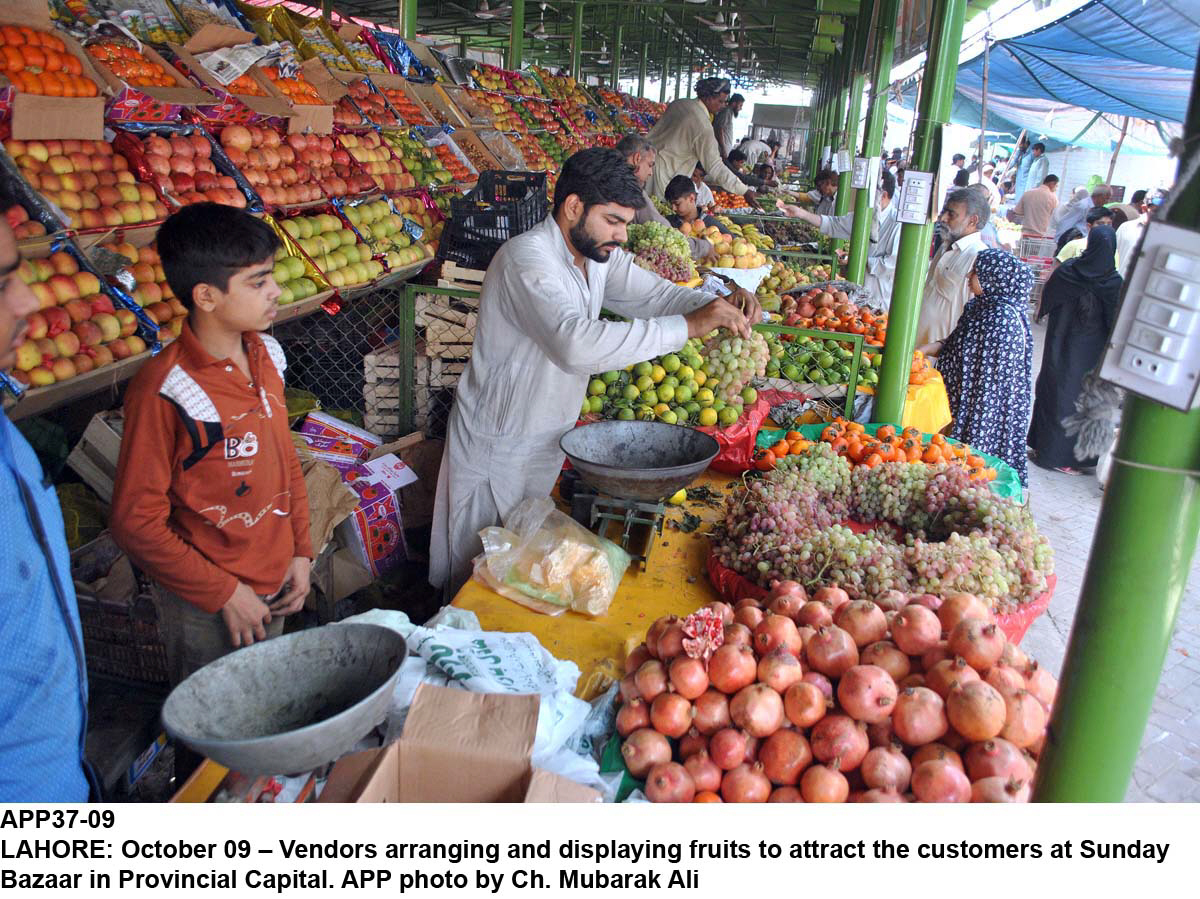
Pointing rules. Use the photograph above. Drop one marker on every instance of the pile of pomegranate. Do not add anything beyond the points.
(827, 699)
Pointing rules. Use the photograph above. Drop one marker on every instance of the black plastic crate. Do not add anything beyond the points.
(503, 205)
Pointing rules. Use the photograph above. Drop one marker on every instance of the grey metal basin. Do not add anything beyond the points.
(290, 704)
(641, 460)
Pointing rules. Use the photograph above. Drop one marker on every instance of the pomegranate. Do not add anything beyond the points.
(806, 633)
(886, 768)
(1024, 718)
(737, 635)
(880, 796)
(727, 748)
(632, 716)
(687, 676)
(881, 734)
(916, 630)
(750, 616)
(1041, 683)
(785, 794)
(779, 669)
(784, 756)
(836, 597)
(862, 620)
(634, 660)
(650, 679)
(670, 641)
(957, 606)
(832, 651)
(954, 740)
(707, 796)
(815, 614)
(821, 682)
(919, 716)
(935, 654)
(776, 631)
(948, 674)
(731, 668)
(711, 712)
(748, 603)
(1013, 657)
(655, 630)
(939, 751)
(789, 588)
(824, 783)
(757, 709)
(928, 600)
(996, 758)
(976, 710)
(804, 704)
(913, 680)
(979, 642)
(705, 774)
(670, 782)
(891, 600)
(787, 605)
(628, 688)
(840, 738)
(868, 693)
(671, 714)
(1000, 789)
(888, 657)
(940, 781)
(1005, 679)
(692, 742)
(724, 610)
(751, 754)
(745, 783)
(643, 749)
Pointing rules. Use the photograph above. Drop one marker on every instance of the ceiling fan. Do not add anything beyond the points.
(718, 22)
(484, 11)
(603, 53)
(540, 32)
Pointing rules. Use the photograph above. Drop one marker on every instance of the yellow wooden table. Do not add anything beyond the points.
(674, 583)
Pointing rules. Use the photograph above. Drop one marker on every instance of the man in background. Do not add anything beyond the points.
(704, 195)
(755, 150)
(823, 195)
(1039, 167)
(1130, 234)
(723, 123)
(993, 192)
(1035, 209)
(1097, 215)
(947, 286)
(736, 160)
(1127, 212)
(641, 155)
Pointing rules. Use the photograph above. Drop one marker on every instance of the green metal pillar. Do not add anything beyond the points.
(662, 85)
(818, 126)
(678, 76)
(642, 69)
(576, 42)
(1138, 567)
(616, 60)
(857, 84)
(408, 19)
(912, 258)
(516, 39)
(885, 46)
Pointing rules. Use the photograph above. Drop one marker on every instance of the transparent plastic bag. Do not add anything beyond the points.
(548, 562)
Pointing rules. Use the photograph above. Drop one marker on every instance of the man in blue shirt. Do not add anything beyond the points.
(43, 679)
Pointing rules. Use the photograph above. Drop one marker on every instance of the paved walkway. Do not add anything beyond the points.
(1066, 508)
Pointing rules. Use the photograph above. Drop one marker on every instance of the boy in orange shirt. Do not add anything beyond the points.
(209, 497)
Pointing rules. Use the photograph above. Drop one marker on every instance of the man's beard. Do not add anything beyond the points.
(588, 246)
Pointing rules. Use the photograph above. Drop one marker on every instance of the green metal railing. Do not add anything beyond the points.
(855, 340)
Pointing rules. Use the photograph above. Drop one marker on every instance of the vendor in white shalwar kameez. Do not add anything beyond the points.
(884, 238)
(947, 284)
(539, 339)
(684, 137)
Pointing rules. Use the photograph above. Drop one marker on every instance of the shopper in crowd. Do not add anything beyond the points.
(824, 192)
(1072, 215)
(684, 137)
(991, 237)
(949, 173)
(946, 286)
(704, 195)
(1039, 167)
(539, 339)
(986, 178)
(1080, 299)
(43, 678)
(723, 123)
(756, 150)
(987, 360)
(681, 195)
(1018, 166)
(1101, 195)
(1128, 237)
(1127, 212)
(1035, 208)
(1098, 215)
(736, 161)
(641, 156)
(209, 498)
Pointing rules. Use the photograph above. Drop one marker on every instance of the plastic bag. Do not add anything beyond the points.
(737, 440)
(549, 562)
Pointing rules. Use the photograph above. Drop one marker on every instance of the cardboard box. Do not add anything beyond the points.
(308, 118)
(457, 746)
(37, 117)
(214, 37)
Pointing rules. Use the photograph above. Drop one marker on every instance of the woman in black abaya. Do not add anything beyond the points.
(1081, 300)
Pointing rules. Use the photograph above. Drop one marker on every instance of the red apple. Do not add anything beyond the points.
(63, 263)
(83, 363)
(135, 344)
(119, 348)
(45, 296)
(63, 369)
(67, 344)
(87, 283)
(107, 324)
(102, 355)
(63, 288)
(41, 377)
(29, 356)
(127, 320)
(100, 302)
(37, 326)
(160, 312)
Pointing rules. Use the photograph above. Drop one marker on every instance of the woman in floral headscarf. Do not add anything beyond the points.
(987, 361)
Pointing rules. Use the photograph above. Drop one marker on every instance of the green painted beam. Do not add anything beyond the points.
(912, 257)
(857, 84)
(408, 19)
(577, 41)
(516, 40)
(885, 46)
(616, 58)
(642, 68)
(1136, 573)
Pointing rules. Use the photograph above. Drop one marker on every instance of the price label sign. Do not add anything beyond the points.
(844, 161)
(915, 195)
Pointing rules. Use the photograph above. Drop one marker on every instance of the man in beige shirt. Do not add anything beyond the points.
(947, 286)
(1035, 209)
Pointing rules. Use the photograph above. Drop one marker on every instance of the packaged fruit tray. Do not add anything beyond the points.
(184, 164)
(303, 287)
(333, 247)
(294, 169)
(394, 239)
(378, 157)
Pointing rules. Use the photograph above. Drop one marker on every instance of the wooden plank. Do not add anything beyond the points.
(36, 400)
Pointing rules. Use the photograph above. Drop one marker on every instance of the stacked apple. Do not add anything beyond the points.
(409, 111)
(341, 257)
(23, 227)
(152, 292)
(369, 151)
(88, 181)
(373, 106)
(383, 231)
(297, 169)
(455, 166)
(76, 328)
(183, 168)
(292, 278)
